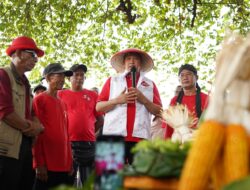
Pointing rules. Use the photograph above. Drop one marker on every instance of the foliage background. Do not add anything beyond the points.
(90, 31)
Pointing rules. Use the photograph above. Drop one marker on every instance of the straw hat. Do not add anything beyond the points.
(118, 58)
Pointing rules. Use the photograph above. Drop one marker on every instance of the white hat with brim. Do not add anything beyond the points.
(117, 60)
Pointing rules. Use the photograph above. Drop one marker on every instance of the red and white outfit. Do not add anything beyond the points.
(52, 148)
(133, 120)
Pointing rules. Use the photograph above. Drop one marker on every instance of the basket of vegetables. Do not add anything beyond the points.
(157, 164)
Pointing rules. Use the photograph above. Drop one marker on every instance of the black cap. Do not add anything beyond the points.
(189, 68)
(78, 66)
(39, 87)
(55, 68)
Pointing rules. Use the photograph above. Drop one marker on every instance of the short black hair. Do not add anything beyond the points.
(39, 87)
(75, 67)
(187, 67)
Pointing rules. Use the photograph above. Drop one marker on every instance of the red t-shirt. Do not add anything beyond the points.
(81, 113)
(190, 102)
(104, 96)
(52, 148)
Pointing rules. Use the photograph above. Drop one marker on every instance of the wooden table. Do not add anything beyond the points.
(144, 182)
(149, 183)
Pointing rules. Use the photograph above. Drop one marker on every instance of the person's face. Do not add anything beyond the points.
(132, 60)
(77, 79)
(56, 80)
(187, 79)
(28, 59)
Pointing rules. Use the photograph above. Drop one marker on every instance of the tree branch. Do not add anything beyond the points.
(194, 12)
(180, 18)
(126, 7)
(104, 24)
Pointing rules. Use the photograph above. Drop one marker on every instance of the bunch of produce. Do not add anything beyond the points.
(220, 151)
(158, 158)
(179, 118)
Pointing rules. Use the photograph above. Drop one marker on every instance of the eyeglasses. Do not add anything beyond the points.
(33, 53)
(188, 74)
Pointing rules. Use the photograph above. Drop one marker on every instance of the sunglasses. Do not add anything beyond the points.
(33, 53)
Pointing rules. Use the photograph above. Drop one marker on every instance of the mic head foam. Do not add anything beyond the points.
(133, 69)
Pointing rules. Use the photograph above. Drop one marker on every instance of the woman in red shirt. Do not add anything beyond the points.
(190, 95)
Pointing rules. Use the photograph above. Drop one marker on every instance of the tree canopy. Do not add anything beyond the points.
(174, 32)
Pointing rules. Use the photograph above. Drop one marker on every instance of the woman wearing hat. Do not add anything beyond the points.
(128, 109)
(16, 126)
(190, 94)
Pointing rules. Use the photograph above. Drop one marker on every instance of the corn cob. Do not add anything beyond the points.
(202, 156)
(248, 137)
(236, 155)
(218, 173)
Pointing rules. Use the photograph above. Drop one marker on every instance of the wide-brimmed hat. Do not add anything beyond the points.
(56, 68)
(75, 67)
(24, 43)
(117, 60)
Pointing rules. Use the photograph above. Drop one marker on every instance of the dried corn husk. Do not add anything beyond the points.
(180, 120)
(230, 103)
(230, 100)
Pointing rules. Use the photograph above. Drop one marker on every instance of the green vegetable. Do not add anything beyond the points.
(243, 184)
(159, 158)
(144, 160)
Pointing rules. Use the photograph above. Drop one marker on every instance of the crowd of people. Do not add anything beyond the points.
(46, 139)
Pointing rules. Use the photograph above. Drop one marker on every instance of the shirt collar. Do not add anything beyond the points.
(19, 79)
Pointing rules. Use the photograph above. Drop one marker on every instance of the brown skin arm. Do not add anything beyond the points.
(131, 96)
(99, 123)
(150, 106)
(123, 98)
(105, 106)
(15, 121)
(27, 127)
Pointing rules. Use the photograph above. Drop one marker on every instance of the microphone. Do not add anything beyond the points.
(133, 74)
